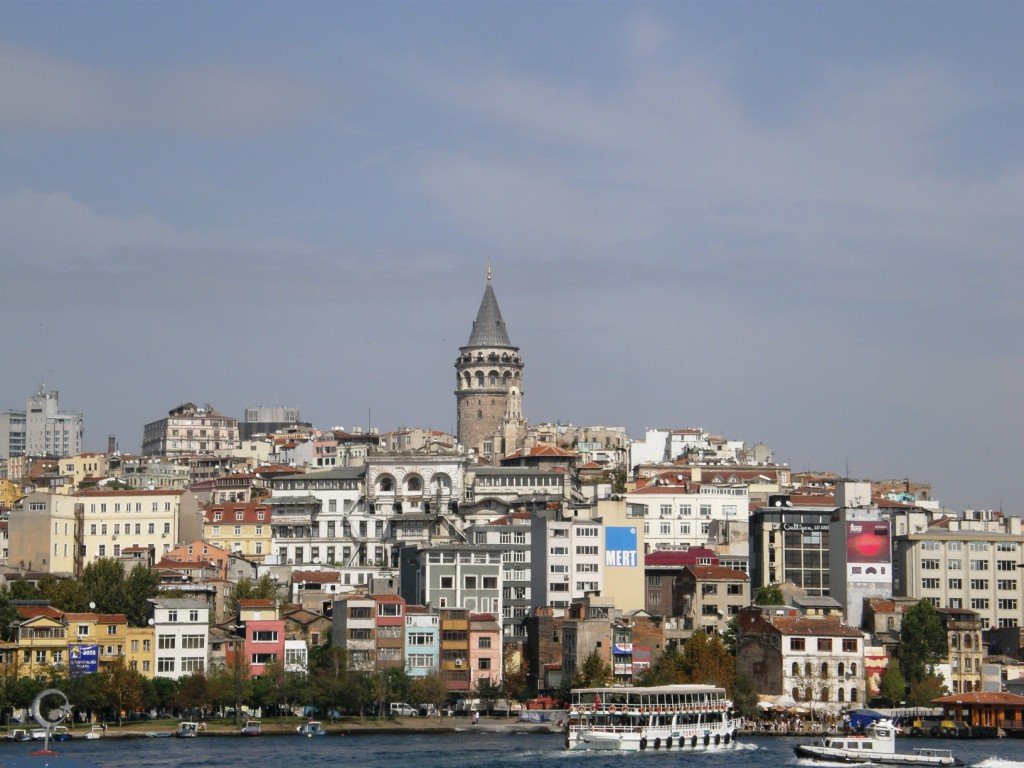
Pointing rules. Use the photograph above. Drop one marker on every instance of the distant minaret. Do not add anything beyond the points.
(489, 373)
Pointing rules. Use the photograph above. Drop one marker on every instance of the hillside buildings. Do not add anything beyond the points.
(42, 429)
(190, 428)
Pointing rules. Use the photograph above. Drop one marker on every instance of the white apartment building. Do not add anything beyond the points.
(182, 632)
(41, 429)
(677, 512)
(190, 428)
(567, 557)
(317, 518)
(978, 570)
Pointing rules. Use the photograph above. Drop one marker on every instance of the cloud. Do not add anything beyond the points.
(40, 92)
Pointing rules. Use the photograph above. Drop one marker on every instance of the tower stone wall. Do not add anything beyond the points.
(488, 391)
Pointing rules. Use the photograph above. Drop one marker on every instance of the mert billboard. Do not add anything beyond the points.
(620, 547)
(83, 659)
(868, 542)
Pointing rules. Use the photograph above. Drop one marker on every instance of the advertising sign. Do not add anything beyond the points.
(83, 659)
(620, 547)
(867, 542)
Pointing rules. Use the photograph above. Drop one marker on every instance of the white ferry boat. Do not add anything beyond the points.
(877, 745)
(694, 718)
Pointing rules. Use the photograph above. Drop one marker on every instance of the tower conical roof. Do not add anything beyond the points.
(489, 328)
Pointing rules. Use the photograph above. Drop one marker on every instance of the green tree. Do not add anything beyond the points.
(264, 588)
(66, 595)
(487, 691)
(729, 636)
(618, 479)
(8, 615)
(103, 581)
(140, 585)
(24, 590)
(744, 696)
(922, 692)
(667, 669)
(429, 689)
(922, 641)
(705, 659)
(193, 692)
(892, 685)
(769, 595)
(122, 688)
(594, 671)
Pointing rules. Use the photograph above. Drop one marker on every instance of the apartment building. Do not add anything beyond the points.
(511, 534)
(485, 649)
(964, 569)
(677, 511)
(568, 559)
(190, 429)
(243, 528)
(39, 643)
(711, 597)
(453, 576)
(816, 660)
(42, 429)
(108, 632)
(422, 641)
(455, 668)
(263, 630)
(789, 541)
(181, 632)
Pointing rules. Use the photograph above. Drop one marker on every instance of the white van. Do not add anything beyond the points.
(400, 709)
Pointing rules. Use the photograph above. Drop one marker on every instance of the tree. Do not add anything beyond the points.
(618, 479)
(430, 689)
(769, 595)
(892, 685)
(705, 659)
(744, 696)
(8, 614)
(487, 691)
(193, 692)
(264, 588)
(922, 692)
(594, 671)
(667, 670)
(141, 584)
(922, 641)
(121, 688)
(729, 636)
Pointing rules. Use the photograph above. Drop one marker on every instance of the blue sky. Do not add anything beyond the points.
(792, 222)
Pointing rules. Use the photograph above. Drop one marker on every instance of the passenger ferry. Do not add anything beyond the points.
(877, 745)
(694, 718)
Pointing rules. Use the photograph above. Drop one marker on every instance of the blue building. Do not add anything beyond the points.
(422, 641)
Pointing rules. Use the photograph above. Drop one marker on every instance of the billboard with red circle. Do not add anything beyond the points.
(868, 542)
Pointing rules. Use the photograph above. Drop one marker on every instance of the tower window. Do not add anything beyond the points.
(479, 414)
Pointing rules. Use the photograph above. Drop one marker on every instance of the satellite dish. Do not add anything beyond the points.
(92, 606)
(151, 622)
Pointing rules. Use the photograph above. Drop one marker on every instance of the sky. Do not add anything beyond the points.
(797, 223)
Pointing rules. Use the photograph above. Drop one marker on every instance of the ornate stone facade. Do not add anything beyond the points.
(488, 390)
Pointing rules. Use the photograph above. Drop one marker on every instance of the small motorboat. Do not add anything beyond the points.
(251, 728)
(95, 732)
(18, 734)
(312, 728)
(37, 734)
(187, 730)
(60, 733)
(877, 745)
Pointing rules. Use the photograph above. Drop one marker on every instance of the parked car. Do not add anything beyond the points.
(401, 709)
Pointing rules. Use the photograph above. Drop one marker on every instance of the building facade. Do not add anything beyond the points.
(190, 428)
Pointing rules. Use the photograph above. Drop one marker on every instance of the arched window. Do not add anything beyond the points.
(506, 380)
(796, 669)
(967, 641)
(796, 693)
(479, 378)
(440, 484)
(853, 668)
(386, 484)
(853, 694)
(414, 483)
(824, 669)
(807, 669)
(493, 378)
(840, 669)
(469, 379)
(479, 414)
(840, 695)
(824, 694)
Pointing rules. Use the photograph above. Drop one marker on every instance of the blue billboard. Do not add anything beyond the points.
(620, 546)
(83, 659)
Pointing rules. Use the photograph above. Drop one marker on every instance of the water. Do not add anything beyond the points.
(445, 750)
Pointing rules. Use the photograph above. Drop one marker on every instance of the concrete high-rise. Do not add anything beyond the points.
(41, 429)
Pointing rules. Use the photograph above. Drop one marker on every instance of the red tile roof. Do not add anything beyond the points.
(256, 603)
(825, 626)
(679, 557)
(316, 577)
(228, 513)
(32, 611)
(542, 451)
(981, 697)
(715, 573)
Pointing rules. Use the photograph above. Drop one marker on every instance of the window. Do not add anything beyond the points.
(484, 663)
(172, 616)
(979, 604)
(1006, 565)
(483, 642)
(193, 664)
(83, 630)
(824, 644)
(469, 582)
(797, 644)
(979, 565)
(929, 565)
(930, 583)
(490, 582)
(1005, 604)
(850, 646)
(586, 550)
(111, 629)
(264, 658)
(193, 641)
(164, 664)
(1007, 585)
(165, 641)
(979, 584)
(956, 583)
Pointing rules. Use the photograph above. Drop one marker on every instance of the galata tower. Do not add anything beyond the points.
(489, 373)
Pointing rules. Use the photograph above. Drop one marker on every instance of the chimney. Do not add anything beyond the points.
(111, 444)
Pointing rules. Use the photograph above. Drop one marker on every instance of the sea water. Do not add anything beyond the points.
(473, 749)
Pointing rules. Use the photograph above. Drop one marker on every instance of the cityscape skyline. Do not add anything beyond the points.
(792, 224)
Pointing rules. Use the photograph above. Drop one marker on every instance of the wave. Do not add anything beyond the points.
(998, 762)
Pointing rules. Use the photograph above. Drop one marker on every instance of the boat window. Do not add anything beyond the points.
(867, 745)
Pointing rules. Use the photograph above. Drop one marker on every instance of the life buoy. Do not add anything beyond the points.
(614, 708)
(643, 742)
(657, 743)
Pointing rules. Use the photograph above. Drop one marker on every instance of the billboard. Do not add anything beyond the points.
(620, 546)
(868, 542)
(83, 659)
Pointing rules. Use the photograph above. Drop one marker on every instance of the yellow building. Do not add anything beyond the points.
(109, 631)
(140, 650)
(239, 527)
(10, 492)
(84, 466)
(39, 644)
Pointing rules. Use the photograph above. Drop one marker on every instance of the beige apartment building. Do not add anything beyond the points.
(239, 527)
(84, 466)
(60, 534)
(190, 428)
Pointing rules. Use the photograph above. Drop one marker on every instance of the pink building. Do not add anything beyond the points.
(264, 633)
(484, 648)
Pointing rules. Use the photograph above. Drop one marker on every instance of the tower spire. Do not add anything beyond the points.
(488, 270)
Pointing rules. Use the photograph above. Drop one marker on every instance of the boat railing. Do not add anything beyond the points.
(603, 728)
